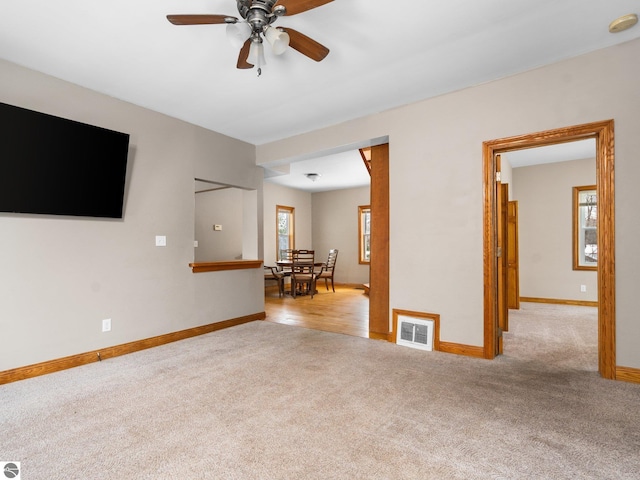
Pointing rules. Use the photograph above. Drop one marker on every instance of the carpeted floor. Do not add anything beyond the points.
(553, 337)
(270, 401)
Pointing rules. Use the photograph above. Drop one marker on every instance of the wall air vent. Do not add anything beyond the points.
(415, 333)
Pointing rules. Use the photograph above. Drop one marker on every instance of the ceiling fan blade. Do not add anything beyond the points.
(298, 6)
(200, 19)
(306, 45)
(244, 54)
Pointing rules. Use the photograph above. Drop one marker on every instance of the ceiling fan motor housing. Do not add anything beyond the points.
(259, 13)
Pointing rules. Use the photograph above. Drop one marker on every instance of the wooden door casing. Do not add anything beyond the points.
(501, 258)
(513, 264)
(603, 133)
(379, 315)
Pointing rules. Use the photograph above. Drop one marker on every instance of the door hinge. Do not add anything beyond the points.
(498, 177)
(499, 252)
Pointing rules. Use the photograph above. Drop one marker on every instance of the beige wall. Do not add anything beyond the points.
(335, 225)
(60, 276)
(436, 236)
(506, 175)
(545, 222)
(222, 207)
(288, 197)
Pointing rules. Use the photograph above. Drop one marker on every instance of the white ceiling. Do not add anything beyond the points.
(562, 152)
(338, 171)
(383, 54)
(347, 170)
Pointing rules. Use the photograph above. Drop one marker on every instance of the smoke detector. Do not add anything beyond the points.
(623, 23)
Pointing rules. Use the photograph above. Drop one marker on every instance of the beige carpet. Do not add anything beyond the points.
(554, 337)
(270, 401)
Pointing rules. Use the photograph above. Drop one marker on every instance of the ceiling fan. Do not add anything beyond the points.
(257, 18)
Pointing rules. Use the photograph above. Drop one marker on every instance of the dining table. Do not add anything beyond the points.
(287, 264)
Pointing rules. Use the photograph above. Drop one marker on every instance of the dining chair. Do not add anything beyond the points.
(327, 269)
(303, 278)
(273, 273)
(286, 257)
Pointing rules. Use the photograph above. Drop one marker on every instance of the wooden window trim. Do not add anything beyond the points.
(576, 227)
(361, 210)
(292, 229)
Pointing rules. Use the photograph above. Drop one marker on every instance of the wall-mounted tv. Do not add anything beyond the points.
(51, 165)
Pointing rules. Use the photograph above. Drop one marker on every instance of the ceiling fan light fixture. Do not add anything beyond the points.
(256, 54)
(238, 33)
(278, 39)
(247, 34)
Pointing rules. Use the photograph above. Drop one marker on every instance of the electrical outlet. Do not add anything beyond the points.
(583, 288)
(106, 325)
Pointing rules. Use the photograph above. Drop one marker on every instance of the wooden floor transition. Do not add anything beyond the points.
(345, 311)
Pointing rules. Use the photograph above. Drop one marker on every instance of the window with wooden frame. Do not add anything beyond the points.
(585, 228)
(364, 234)
(284, 230)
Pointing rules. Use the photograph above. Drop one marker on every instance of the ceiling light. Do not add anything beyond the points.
(312, 176)
(238, 33)
(256, 54)
(278, 39)
(623, 23)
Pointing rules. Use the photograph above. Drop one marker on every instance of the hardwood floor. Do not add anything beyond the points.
(345, 311)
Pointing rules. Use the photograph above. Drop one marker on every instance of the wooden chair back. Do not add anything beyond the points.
(302, 274)
(303, 261)
(328, 269)
(286, 254)
(331, 260)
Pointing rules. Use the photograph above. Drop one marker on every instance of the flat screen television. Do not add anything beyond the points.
(51, 165)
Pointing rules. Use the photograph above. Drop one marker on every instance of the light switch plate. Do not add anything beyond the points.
(217, 228)
(161, 241)
(106, 325)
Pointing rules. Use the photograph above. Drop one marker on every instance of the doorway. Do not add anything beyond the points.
(378, 199)
(602, 132)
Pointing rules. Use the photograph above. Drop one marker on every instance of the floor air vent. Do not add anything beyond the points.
(415, 333)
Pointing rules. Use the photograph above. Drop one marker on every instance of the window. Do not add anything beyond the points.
(585, 228)
(364, 234)
(284, 230)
